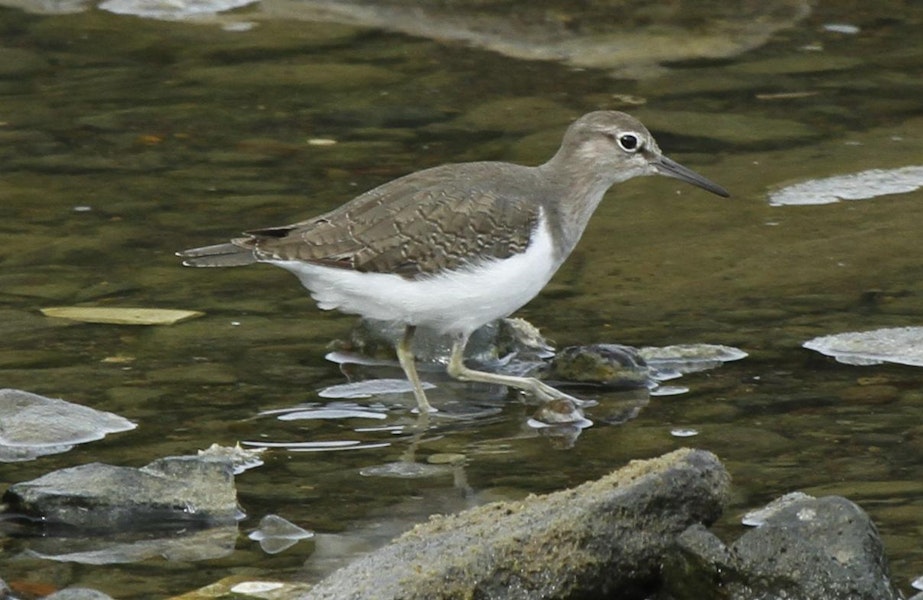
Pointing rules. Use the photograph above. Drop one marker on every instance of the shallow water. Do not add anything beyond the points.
(123, 140)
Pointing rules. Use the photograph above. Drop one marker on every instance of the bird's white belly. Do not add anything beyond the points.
(451, 302)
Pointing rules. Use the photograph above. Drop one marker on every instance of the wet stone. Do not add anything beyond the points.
(602, 535)
(240, 459)
(667, 361)
(11, 454)
(863, 185)
(803, 548)
(78, 593)
(173, 490)
(560, 412)
(119, 315)
(902, 345)
(30, 423)
(169, 10)
(364, 389)
(612, 365)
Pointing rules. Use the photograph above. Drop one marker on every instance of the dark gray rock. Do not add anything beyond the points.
(806, 548)
(172, 490)
(604, 537)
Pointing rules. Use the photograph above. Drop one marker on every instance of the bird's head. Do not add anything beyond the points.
(615, 147)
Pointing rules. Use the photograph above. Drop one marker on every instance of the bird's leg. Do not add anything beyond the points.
(542, 391)
(408, 363)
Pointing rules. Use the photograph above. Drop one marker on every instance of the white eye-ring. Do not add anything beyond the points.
(629, 142)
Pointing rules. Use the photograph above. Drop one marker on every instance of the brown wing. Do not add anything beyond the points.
(431, 220)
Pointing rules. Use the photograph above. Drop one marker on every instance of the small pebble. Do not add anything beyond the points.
(256, 587)
(684, 433)
(668, 390)
(841, 28)
(239, 26)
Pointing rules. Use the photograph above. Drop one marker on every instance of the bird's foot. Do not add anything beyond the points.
(546, 394)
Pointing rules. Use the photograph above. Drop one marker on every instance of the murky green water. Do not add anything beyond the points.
(123, 140)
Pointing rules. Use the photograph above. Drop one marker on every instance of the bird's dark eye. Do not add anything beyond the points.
(629, 142)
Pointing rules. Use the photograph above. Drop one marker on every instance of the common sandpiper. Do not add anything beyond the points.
(457, 246)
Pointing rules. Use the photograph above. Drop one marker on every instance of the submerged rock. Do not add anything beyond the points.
(250, 587)
(598, 35)
(611, 365)
(804, 548)
(169, 491)
(180, 544)
(599, 538)
(516, 347)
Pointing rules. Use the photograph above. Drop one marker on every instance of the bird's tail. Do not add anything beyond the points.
(219, 255)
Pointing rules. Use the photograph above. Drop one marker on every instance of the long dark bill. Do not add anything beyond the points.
(671, 168)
